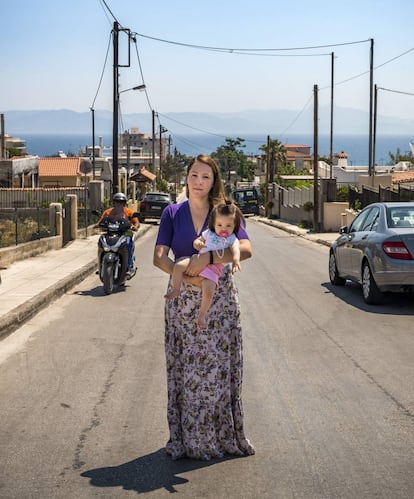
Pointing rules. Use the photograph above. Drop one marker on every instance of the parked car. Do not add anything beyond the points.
(153, 205)
(247, 200)
(376, 251)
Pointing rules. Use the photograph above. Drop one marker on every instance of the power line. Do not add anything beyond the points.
(395, 91)
(109, 10)
(140, 70)
(239, 50)
(102, 74)
(298, 115)
(376, 67)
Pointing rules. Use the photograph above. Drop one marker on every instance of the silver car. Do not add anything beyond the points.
(376, 251)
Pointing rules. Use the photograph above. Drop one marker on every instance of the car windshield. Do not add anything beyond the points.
(400, 216)
(245, 195)
(157, 197)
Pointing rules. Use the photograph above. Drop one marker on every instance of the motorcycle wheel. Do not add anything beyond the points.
(107, 276)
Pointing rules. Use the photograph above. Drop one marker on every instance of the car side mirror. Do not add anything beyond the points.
(343, 229)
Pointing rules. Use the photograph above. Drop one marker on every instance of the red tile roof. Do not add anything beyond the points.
(59, 167)
(402, 177)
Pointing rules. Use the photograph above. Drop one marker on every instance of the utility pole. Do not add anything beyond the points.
(315, 161)
(160, 150)
(93, 141)
(332, 102)
(115, 110)
(267, 177)
(371, 87)
(153, 143)
(2, 139)
(374, 139)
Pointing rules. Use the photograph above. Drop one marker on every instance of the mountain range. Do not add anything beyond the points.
(276, 122)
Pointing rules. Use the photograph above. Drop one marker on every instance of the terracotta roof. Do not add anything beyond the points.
(143, 175)
(59, 167)
(402, 177)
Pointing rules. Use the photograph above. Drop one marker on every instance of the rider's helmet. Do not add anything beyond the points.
(120, 197)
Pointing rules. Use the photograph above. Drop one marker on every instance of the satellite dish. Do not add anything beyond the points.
(85, 167)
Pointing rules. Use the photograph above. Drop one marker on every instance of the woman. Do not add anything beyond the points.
(204, 367)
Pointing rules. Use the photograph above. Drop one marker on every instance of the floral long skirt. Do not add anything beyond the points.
(204, 374)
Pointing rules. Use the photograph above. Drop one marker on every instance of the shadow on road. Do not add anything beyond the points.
(393, 303)
(148, 473)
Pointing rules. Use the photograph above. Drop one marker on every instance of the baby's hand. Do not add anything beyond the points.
(199, 244)
(235, 267)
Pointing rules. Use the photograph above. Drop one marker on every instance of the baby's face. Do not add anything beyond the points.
(224, 225)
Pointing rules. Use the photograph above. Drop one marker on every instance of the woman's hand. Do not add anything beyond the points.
(195, 280)
(197, 264)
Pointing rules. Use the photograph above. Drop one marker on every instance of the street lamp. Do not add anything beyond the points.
(138, 87)
(115, 129)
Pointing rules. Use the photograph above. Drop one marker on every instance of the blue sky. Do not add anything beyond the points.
(53, 54)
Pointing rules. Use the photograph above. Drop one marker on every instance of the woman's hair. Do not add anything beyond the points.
(216, 193)
(226, 208)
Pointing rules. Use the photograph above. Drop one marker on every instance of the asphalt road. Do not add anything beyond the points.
(328, 389)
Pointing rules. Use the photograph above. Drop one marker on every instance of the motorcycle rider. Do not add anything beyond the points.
(118, 212)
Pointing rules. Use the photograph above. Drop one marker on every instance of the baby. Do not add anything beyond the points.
(224, 223)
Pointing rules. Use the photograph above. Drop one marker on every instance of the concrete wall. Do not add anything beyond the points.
(332, 216)
(13, 254)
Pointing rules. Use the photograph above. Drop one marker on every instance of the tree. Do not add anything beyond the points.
(397, 157)
(276, 153)
(231, 157)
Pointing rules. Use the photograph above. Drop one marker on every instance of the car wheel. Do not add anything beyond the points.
(334, 277)
(372, 295)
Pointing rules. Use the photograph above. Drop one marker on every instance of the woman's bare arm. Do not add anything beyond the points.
(162, 260)
(199, 262)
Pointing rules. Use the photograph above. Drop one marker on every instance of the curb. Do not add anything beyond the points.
(296, 232)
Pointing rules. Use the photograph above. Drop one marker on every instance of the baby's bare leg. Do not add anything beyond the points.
(207, 292)
(177, 278)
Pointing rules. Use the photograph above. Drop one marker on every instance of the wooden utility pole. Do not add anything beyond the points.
(332, 102)
(371, 98)
(315, 161)
(115, 111)
(2, 139)
(153, 143)
(267, 177)
(374, 138)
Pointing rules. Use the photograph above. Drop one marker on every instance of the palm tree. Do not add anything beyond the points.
(276, 153)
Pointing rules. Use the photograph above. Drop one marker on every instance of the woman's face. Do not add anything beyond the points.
(200, 180)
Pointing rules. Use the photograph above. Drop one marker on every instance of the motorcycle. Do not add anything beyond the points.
(113, 253)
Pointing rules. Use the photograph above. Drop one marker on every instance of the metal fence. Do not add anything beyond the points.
(358, 199)
(40, 196)
(21, 225)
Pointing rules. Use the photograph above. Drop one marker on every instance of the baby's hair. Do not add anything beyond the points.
(226, 208)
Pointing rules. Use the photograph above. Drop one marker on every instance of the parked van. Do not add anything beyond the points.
(247, 199)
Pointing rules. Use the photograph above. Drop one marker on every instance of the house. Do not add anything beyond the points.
(298, 155)
(19, 172)
(60, 172)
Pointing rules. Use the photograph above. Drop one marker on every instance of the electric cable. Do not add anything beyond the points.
(395, 91)
(102, 74)
(235, 50)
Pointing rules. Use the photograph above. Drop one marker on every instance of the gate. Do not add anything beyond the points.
(66, 222)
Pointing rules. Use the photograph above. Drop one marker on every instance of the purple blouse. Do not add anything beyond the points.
(177, 230)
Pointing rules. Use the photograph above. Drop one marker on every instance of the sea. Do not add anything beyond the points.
(356, 146)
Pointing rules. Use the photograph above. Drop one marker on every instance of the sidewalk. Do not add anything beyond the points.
(29, 285)
(325, 238)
